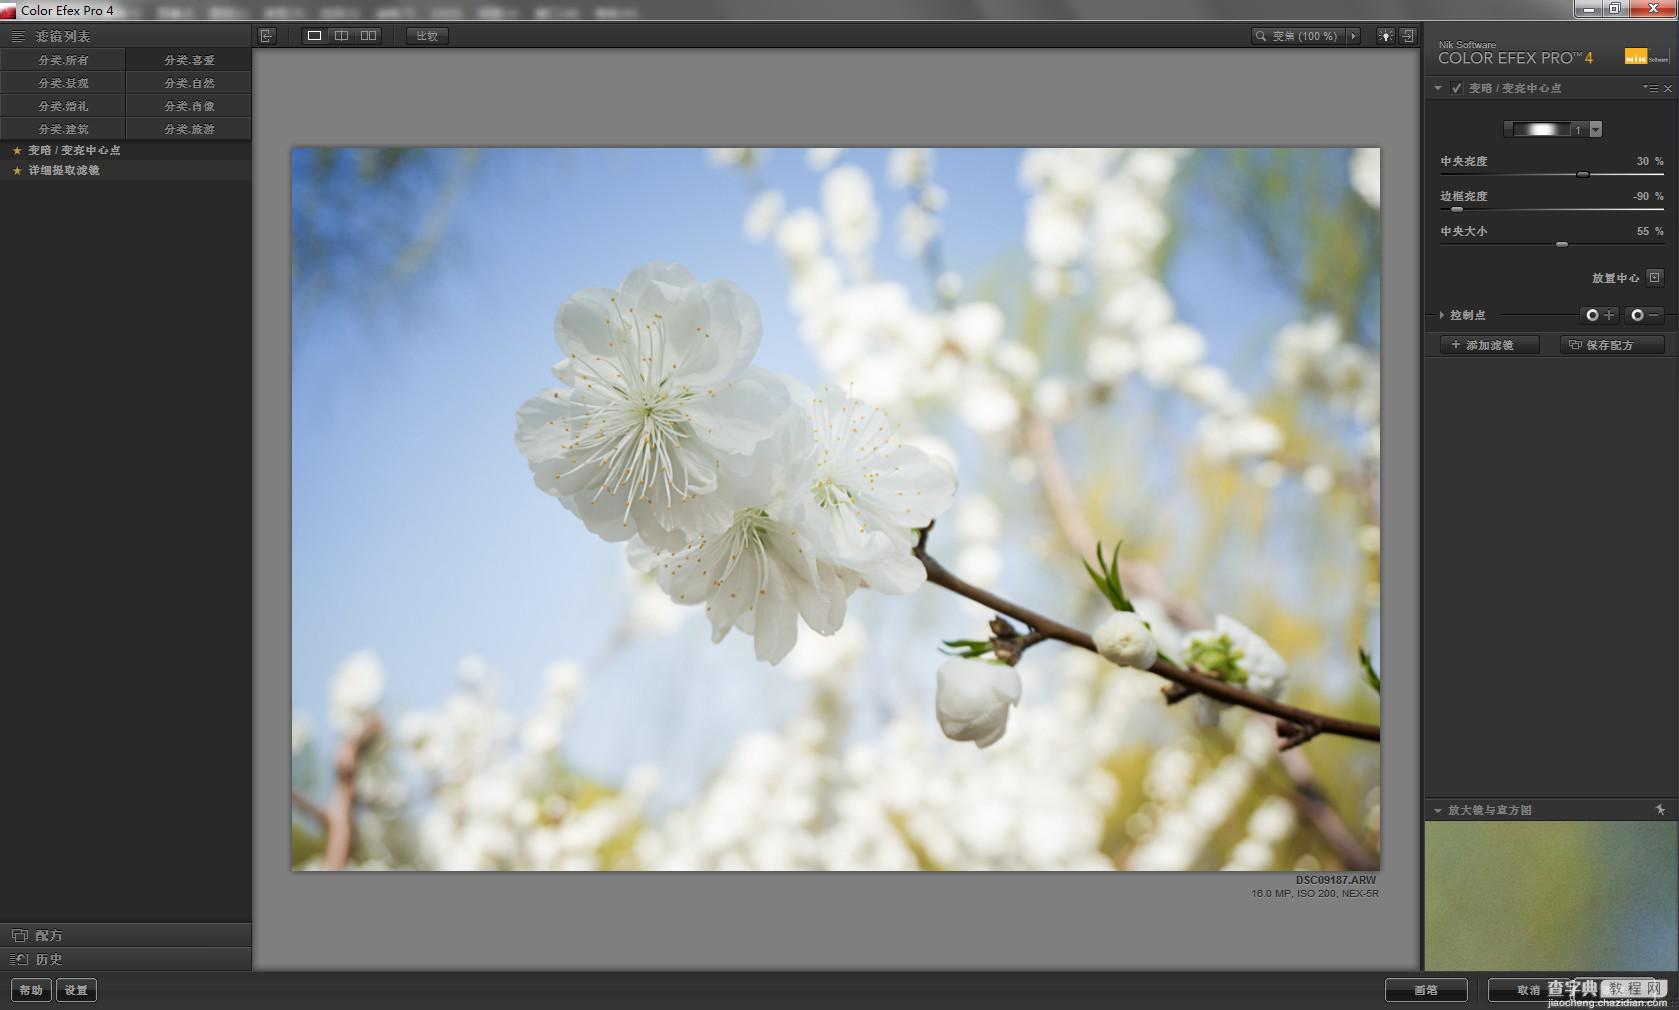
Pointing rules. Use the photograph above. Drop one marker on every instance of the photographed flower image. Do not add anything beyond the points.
(833, 508)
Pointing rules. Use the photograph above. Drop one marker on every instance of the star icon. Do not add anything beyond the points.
(17, 150)
(16, 170)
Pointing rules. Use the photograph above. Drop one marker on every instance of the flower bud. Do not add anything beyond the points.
(1235, 653)
(974, 698)
(1124, 640)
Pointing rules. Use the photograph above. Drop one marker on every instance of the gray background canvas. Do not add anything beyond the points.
(1165, 98)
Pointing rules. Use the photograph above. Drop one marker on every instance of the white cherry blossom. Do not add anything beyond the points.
(1236, 653)
(869, 491)
(658, 394)
(763, 570)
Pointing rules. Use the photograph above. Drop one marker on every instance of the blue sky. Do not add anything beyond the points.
(416, 529)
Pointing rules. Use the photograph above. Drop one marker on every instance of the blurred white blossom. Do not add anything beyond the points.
(909, 166)
(736, 157)
(356, 689)
(819, 158)
(302, 732)
(1365, 168)
(763, 215)
(853, 220)
(916, 228)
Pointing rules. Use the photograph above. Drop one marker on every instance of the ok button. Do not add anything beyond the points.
(1427, 990)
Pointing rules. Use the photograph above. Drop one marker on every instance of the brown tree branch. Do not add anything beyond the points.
(1212, 687)
(308, 807)
(1176, 692)
(339, 814)
(1311, 803)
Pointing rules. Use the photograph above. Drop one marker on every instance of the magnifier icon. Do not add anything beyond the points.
(1259, 35)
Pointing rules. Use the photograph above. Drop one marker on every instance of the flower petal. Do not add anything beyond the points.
(740, 414)
(549, 425)
(775, 620)
(587, 324)
(897, 574)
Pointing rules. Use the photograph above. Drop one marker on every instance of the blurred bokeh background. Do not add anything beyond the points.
(1173, 348)
(1548, 895)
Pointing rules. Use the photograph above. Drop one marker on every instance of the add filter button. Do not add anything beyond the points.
(1526, 343)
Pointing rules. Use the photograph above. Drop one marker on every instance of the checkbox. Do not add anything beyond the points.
(1457, 87)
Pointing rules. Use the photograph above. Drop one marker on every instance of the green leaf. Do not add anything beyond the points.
(1106, 577)
(1101, 583)
(966, 648)
(1371, 677)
